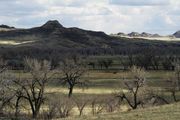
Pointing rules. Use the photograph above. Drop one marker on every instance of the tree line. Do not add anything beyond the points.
(156, 53)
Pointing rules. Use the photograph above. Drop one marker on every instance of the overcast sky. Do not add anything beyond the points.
(110, 16)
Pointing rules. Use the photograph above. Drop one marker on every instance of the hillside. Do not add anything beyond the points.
(177, 34)
(53, 33)
(6, 28)
(52, 40)
(166, 112)
(149, 36)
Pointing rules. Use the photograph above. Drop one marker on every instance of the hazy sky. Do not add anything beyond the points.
(111, 16)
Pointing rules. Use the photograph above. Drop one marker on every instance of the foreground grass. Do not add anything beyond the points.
(166, 112)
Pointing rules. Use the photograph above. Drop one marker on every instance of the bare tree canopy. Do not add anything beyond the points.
(133, 86)
(32, 89)
(3, 65)
(72, 71)
(6, 93)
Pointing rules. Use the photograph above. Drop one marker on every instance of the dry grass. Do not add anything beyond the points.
(79, 90)
(106, 83)
(166, 112)
(10, 42)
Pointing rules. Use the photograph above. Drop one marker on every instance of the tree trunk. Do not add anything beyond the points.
(178, 78)
(17, 107)
(34, 114)
(135, 101)
(70, 91)
(174, 96)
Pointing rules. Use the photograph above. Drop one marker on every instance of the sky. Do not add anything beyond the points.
(110, 16)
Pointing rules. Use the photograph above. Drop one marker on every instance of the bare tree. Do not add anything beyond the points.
(51, 111)
(167, 63)
(100, 63)
(72, 72)
(92, 64)
(154, 97)
(33, 89)
(97, 105)
(177, 75)
(130, 59)
(175, 82)
(111, 103)
(81, 104)
(64, 106)
(6, 94)
(133, 87)
(3, 65)
(58, 107)
(107, 63)
(155, 61)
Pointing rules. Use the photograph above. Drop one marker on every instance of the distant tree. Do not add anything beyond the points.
(71, 73)
(33, 89)
(133, 86)
(167, 63)
(100, 63)
(155, 62)
(177, 75)
(130, 59)
(107, 63)
(143, 60)
(97, 105)
(124, 63)
(3, 65)
(92, 64)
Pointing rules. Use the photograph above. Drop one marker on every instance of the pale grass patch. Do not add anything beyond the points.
(10, 42)
(95, 74)
(162, 38)
(82, 91)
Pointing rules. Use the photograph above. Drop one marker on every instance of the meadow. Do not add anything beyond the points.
(104, 84)
(98, 96)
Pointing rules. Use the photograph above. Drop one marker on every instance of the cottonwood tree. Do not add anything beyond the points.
(33, 89)
(72, 72)
(133, 87)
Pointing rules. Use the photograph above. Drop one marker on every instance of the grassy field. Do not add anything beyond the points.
(101, 82)
(104, 83)
(166, 112)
